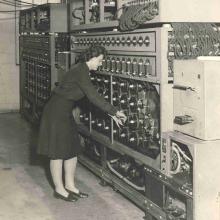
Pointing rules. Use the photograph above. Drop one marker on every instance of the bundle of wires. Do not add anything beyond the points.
(191, 40)
(78, 9)
(136, 14)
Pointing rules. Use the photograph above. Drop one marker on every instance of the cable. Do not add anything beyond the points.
(74, 13)
(10, 11)
(28, 3)
(6, 3)
(195, 39)
(136, 14)
(190, 40)
(14, 3)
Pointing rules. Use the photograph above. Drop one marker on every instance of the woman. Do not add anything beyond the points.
(58, 136)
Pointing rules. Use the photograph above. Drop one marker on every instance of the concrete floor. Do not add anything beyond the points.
(26, 191)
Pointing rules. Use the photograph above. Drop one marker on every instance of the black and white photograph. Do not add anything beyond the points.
(109, 109)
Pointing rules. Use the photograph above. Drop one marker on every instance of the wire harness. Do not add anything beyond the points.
(137, 13)
(190, 40)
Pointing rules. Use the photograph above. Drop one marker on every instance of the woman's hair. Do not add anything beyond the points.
(92, 51)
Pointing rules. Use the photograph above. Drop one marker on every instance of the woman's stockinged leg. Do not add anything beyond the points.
(70, 168)
(56, 173)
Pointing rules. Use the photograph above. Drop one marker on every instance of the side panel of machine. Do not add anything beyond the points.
(196, 103)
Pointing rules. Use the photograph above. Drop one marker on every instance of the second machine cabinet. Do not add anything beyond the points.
(44, 51)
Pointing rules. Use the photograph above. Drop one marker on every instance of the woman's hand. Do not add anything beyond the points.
(119, 118)
(121, 115)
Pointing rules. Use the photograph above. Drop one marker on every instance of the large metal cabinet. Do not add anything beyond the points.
(44, 55)
(137, 76)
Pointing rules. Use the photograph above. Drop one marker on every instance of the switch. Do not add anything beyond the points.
(134, 40)
(182, 120)
(123, 41)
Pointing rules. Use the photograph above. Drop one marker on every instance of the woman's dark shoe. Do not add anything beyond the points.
(79, 195)
(69, 198)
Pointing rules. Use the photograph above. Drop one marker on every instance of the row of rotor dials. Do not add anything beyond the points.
(134, 121)
(129, 66)
(121, 89)
(112, 40)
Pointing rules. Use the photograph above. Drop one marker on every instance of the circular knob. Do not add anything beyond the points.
(100, 40)
(123, 135)
(108, 41)
(115, 84)
(147, 41)
(115, 99)
(133, 122)
(133, 88)
(133, 104)
(128, 41)
(99, 123)
(106, 126)
(123, 86)
(80, 41)
(123, 40)
(106, 95)
(115, 134)
(98, 79)
(75, 42)
(140, 41)
(118, 40)
(134, 139)
(134, 40)
(84, 41)
(124, 101)
(113, 41)
(106, 81)
(103, 41)
(86, 118)
(92, 78)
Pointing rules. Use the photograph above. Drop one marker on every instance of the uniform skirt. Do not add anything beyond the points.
(58, 135)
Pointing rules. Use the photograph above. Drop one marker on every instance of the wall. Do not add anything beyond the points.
(9, 71)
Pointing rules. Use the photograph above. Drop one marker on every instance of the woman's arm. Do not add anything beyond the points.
(89, 90)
